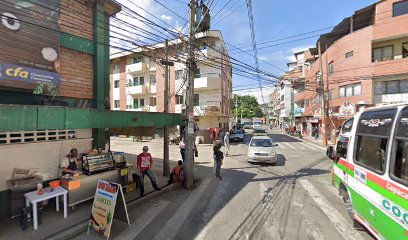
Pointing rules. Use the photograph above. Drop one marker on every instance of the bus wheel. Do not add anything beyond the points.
(349, 205)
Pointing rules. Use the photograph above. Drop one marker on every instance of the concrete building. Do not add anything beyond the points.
(365, 63)
(137, 80)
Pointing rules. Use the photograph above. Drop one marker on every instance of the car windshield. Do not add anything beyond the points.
(259, 131)
(261, 143)
(237, 132)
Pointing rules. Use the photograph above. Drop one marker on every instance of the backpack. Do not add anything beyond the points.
(182, 174)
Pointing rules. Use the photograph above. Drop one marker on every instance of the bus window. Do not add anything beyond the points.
(371, 152)
(401, 162)
(399, 167)
(373, 133)
(347, 126)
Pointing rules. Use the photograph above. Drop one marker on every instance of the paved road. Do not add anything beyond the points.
(292, 200)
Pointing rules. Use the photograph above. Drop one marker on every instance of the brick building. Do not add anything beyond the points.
(365, 63)
(137, 80)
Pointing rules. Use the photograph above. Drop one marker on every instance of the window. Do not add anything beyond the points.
(373, 132)
(391, 87)
(135, 103)
(383, 53)
(116, 66)
(116, 103)
(153, 78)
(137, 59)
(399, 164)
(116, 84)
(405, 50)
(349, 54)
(371, 152)
(141, 80)
(141, 102)
(179, 99)
(399, 8)
(350, 90)
(331, 68)
(196, 100)
(197, 73)
(179, 74)
(153, 101)
(347, 126)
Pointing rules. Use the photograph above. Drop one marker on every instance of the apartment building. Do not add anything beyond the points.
(137, 80)
(365, 63)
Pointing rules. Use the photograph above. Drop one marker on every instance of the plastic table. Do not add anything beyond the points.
(34, 198)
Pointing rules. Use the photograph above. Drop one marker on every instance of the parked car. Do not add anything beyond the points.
(237, 135)
(262, 149)
(259, 132)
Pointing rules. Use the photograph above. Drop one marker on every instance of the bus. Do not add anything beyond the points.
(370, 170)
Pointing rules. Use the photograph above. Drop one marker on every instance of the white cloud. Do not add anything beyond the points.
(166, 17)
(291, 58)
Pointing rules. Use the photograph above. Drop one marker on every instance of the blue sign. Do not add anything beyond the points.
(28, 75)
(298, 112)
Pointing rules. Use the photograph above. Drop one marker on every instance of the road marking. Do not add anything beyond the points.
(209, 218)
(340, 224)
(315, 146)
(287, 145)
(308, 146)
(173, 225)
(143, 221)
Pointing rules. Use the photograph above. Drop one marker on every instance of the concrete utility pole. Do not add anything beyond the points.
(191, 67)
(321, 86)
(166, 165)
(236, 110)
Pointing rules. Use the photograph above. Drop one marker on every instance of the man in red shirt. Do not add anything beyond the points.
(144, 164)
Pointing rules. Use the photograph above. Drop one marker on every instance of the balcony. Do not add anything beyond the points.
(210, 108)
(135, 67)
(136, 90)
(151, 88)
(210, 81)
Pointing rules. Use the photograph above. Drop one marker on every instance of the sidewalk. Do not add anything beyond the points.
(53, 222)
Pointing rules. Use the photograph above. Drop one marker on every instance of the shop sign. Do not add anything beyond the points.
(298, 112)
(30, 40)
(313, 120)
(104, 206)
(212, 111)
(347, 109)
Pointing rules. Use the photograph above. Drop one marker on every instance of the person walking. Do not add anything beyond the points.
(182, 146)
(227, 143)
(144, 165)
(218, 157)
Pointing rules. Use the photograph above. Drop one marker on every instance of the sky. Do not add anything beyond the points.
(272, 19)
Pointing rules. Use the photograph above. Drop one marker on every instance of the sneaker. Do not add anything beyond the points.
(158, 189)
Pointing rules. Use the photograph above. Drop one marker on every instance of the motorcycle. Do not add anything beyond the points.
(174, 140)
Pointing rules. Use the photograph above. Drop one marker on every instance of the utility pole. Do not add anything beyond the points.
(236, 110)
(166, 165)
(323, 109)
(191, 67)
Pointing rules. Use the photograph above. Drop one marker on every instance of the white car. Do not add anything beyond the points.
(237, 135)
(262, 149)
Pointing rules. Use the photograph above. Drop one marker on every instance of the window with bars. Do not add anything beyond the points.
(179, 99)
(36, 136)
(153, 101)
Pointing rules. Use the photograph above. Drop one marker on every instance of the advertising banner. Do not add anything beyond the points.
(30, 42)
(107, 196)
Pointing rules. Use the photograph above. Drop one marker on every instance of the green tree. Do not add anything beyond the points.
(248, 105)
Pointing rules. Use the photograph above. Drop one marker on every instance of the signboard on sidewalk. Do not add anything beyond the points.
(107, 195)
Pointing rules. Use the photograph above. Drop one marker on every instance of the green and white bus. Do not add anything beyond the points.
(370, 170)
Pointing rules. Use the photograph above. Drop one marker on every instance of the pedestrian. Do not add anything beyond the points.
(227, 143)
(216, 143)
(316, 133)
(182, 146)
(222, 135)
(177, 175)
(218, 158)
(144, 166)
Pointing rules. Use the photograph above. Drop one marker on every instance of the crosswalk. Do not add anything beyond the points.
(299, 146)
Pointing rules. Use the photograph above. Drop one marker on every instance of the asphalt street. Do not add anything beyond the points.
(292, 200)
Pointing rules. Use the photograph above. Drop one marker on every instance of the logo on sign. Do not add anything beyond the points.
(395, 211)
(360, 175)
